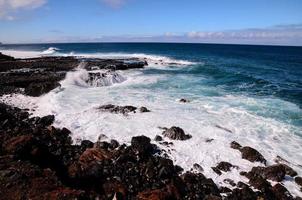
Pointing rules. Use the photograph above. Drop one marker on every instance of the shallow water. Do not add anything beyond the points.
(253, 91)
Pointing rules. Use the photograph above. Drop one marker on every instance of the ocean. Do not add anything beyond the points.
(244, 93)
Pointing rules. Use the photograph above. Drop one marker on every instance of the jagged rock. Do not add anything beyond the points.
(281, 192)
(230, 182)
(209, 140)
(141, 144)
(37, 89)
(252, 155)
(24, 180)
(114, 144)
(242, 194)
(118, 109)
(225, 166)
(289, 171)
(47, 120)
(176, 133)
(158, 138)
(197, 167)
(184, 100)
(298, 180)
(259, 183)
(144, 109)
(275, 172)
(235, 145)
(216, 170)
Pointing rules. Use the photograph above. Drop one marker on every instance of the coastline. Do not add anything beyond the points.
(101, 155)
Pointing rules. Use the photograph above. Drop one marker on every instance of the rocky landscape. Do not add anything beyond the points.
(40, 161)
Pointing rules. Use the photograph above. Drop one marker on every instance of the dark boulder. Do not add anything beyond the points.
(298, 180)
(275, 172)
(144, 109)
(197, 167)
(235, 145)
(252, 155)
(280, 192)
(141, 144)
(158, 138)
(176, 133)
(118, 109)
(184, 100)
(47, 120)
(225, 166)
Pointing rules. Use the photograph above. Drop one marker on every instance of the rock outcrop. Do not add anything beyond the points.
(176, 133)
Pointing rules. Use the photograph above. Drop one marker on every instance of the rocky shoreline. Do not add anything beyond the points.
(39, 161)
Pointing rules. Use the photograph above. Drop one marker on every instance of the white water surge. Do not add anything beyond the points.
(74, 106)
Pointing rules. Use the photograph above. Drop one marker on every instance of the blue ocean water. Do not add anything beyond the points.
(272, 74)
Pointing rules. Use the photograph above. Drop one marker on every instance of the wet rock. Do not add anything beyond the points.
(118, 109)
(235, 145)
(242, 194)
(225, 166)
(114, 144)
(298, 180)
(230, 182)
(144, 109)
(289, 171)
(209, 140)
(158, 138)
(259, 183)
(184, 100)
(252, 155)
(225, 190)
(280, 192)
(47, 120)
(197, 167)
(85, 144)
(275, 172)
(141, 144)
(176, 133)
(216, 170)
(37, 89)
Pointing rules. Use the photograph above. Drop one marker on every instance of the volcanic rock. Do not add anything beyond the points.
(176, 133)
(252, 155)
(298, 180)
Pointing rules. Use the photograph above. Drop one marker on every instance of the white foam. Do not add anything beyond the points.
(50, 51)
(151, 59)
(21, 54)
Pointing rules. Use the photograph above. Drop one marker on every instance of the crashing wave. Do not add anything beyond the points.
(85, 78)
(50, 51)
(99, 79)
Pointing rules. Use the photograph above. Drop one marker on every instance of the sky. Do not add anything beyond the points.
(276, 22)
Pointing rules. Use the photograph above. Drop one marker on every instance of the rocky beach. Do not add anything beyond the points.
(41, 161)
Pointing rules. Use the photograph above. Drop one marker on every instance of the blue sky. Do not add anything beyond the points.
(214, 21)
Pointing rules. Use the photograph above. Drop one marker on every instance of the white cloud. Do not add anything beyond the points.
(9, 8)
(114, 3)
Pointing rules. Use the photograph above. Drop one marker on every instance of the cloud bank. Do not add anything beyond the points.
(10, 8)
(276, 35)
